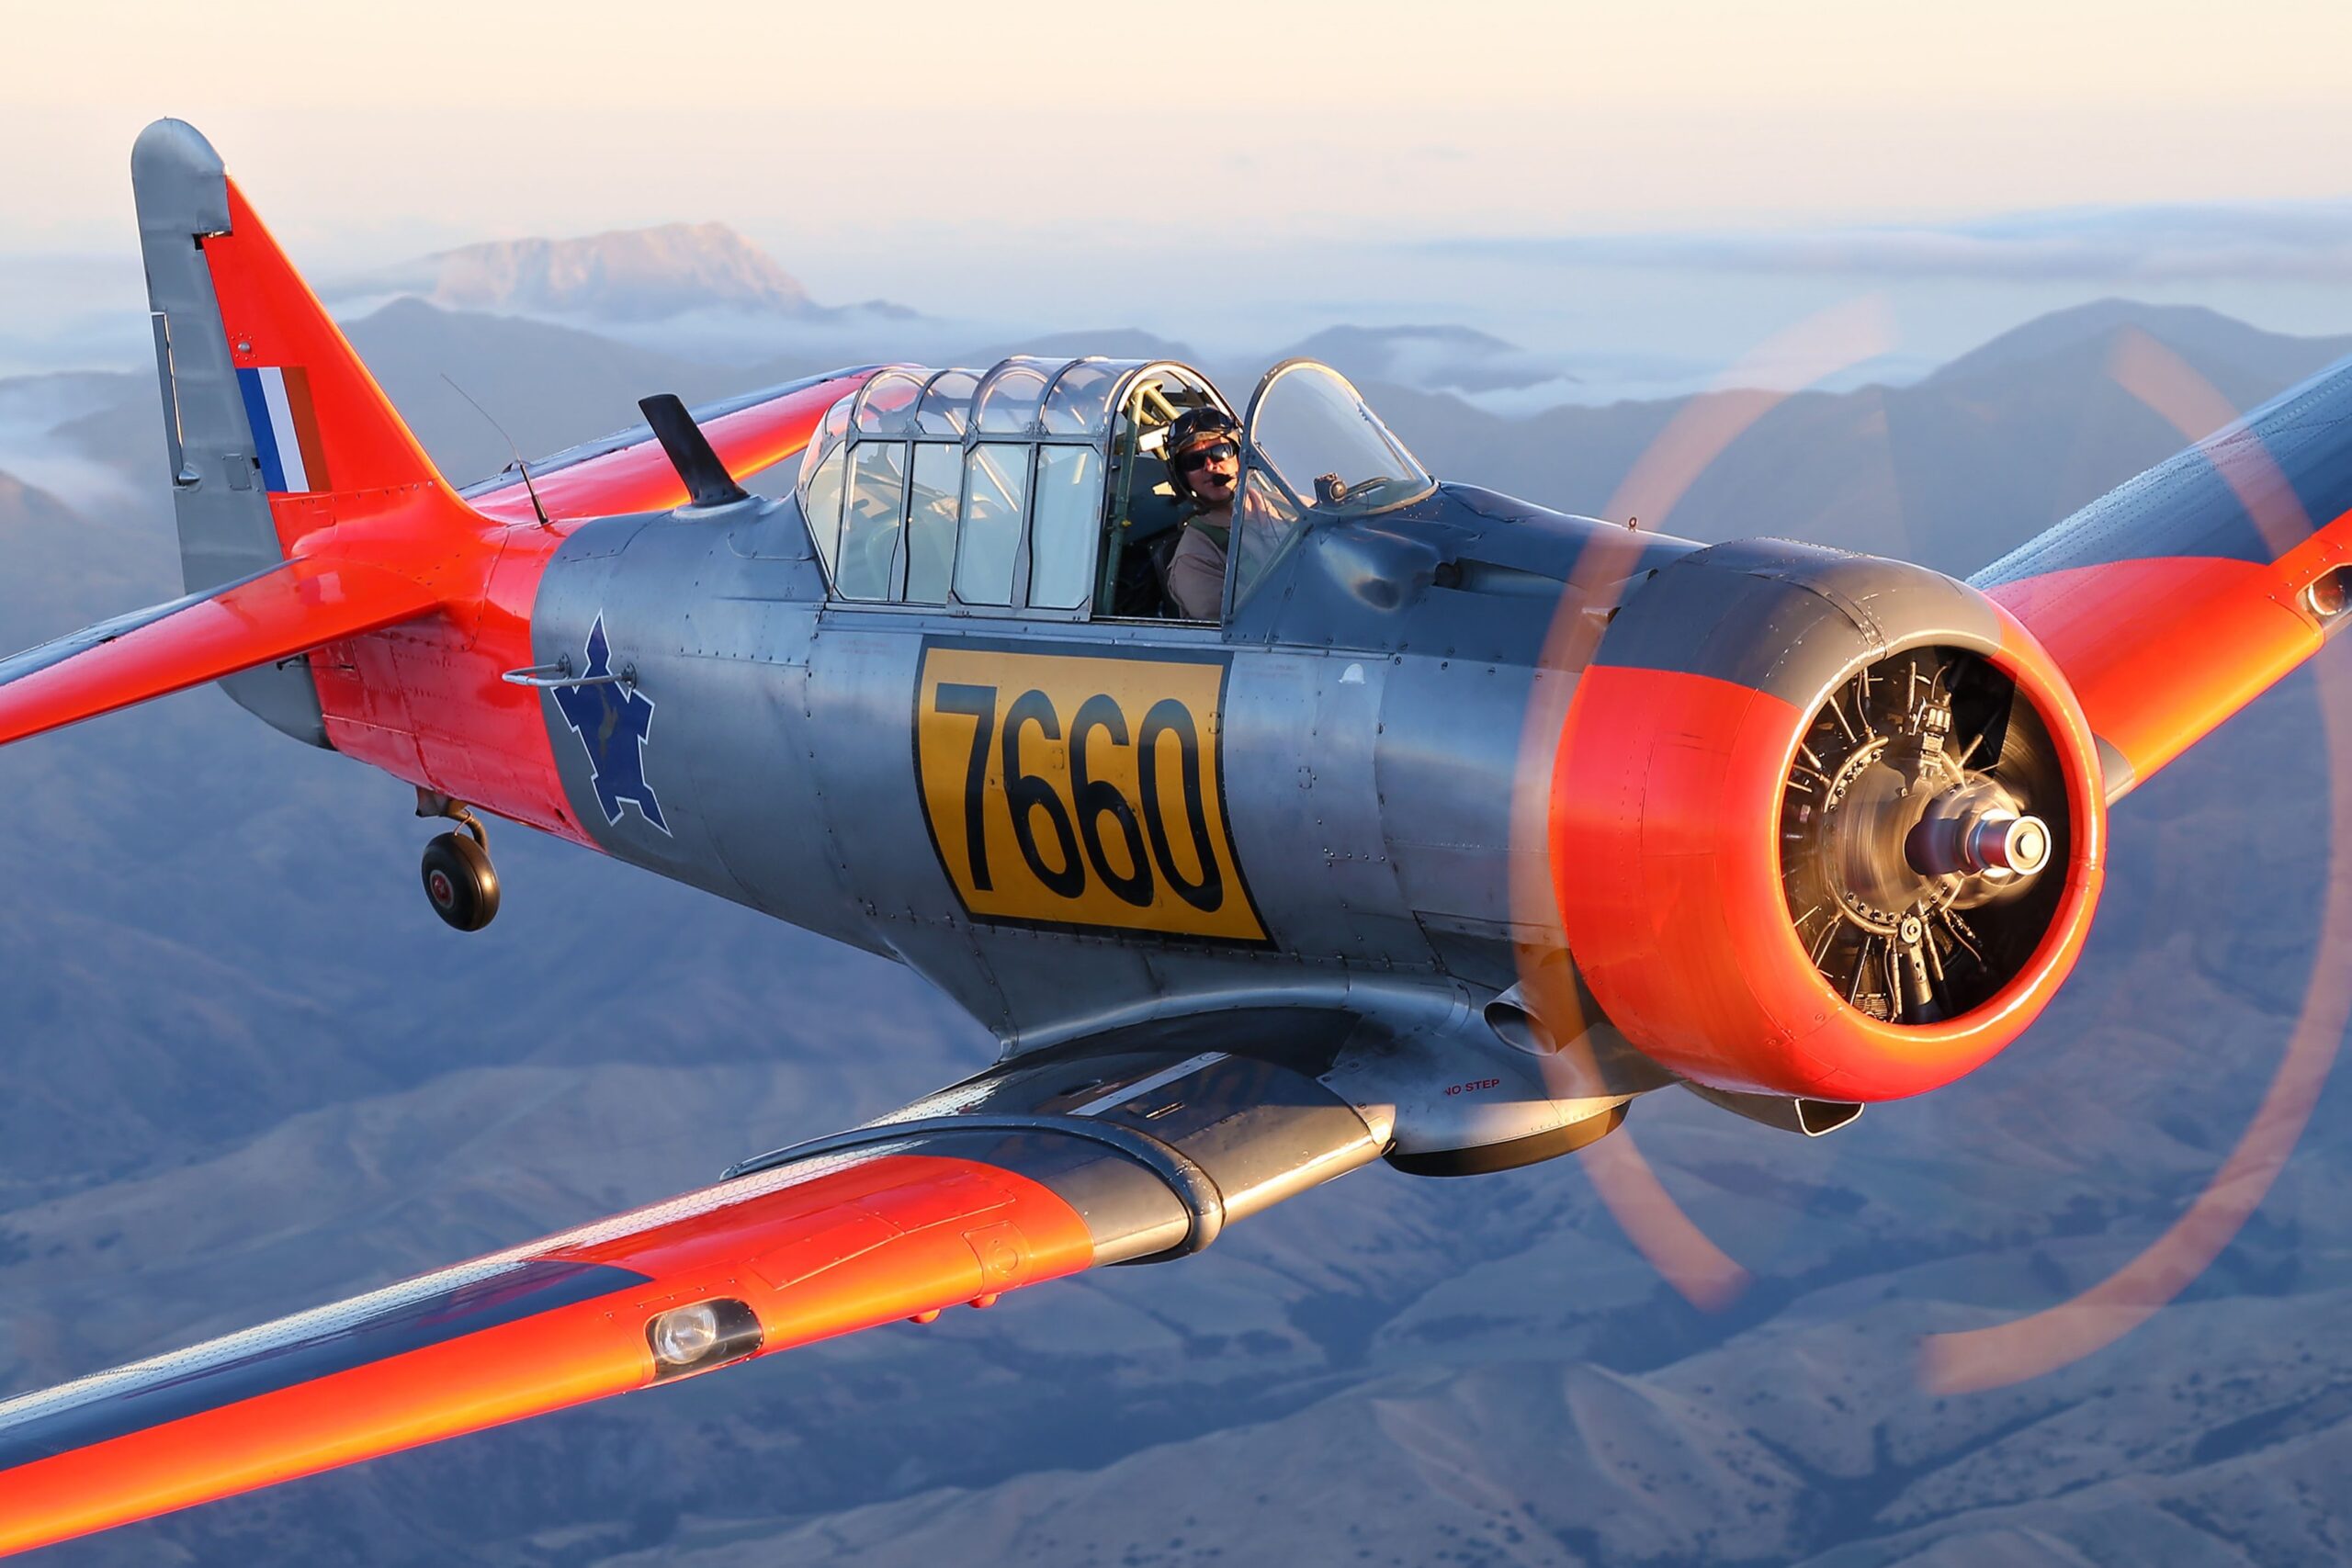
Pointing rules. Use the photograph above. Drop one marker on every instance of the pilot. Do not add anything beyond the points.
(1204, 456)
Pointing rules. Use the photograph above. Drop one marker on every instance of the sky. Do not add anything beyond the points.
(1677, 178)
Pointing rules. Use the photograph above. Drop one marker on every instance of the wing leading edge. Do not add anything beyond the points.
(2174, 600)
(1027, 1175)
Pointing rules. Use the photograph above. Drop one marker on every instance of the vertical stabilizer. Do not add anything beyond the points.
(271, 426)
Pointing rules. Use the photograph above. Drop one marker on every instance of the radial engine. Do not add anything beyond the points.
(1822, 825)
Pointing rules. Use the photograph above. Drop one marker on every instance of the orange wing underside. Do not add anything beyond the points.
(813, 1250)
(2182, 596)
(970, 1194)
(2160, 652)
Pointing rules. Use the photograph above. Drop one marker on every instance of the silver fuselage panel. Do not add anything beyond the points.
(1334, 771)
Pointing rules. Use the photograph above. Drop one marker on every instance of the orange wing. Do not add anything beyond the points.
(1031, 1173)
(627, 471)
(2175, 600)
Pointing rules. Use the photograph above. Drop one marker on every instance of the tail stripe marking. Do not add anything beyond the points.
(305, 416)
(281, 432)
(286, 437)
(265, 439)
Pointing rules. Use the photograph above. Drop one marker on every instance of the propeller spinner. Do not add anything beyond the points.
(1906, 837)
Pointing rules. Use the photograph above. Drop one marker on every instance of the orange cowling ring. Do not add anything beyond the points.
(1664, 824)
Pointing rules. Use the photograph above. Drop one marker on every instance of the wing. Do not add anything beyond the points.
(628, 470)
(1036, 1171)
(2180, 597)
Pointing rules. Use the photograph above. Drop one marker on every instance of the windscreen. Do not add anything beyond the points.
(1308, 427)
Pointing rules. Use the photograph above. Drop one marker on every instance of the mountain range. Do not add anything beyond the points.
(249, 1072)
(628, 274)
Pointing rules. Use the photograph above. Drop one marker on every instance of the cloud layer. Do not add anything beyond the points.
(2303, 242)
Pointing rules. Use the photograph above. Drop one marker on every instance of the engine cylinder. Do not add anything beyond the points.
(1822, 824)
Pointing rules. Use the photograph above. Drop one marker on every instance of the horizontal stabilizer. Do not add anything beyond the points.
(286, 610)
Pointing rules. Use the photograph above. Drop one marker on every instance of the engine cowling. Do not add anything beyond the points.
(1822, 824)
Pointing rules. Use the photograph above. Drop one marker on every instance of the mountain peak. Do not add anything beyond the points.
(2191, 329)
(622, 275)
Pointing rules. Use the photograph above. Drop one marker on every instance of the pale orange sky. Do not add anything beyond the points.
(1254, 171)
(1314, 117)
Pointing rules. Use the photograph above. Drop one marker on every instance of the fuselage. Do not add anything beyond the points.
(1333, 768)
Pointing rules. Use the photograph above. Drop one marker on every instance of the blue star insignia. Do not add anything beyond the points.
(613, 721)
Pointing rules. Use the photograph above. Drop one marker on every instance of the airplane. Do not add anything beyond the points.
(1460, 827)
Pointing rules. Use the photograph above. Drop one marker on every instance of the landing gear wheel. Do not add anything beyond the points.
(460, 882)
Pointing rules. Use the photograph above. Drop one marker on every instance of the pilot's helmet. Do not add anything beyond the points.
(1193, 429)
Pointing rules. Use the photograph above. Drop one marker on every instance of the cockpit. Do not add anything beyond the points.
(1043, 487)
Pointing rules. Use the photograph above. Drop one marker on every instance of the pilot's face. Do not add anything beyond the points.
(1213, 470)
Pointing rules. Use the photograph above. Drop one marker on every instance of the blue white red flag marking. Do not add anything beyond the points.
(614, 721)
(286, 428)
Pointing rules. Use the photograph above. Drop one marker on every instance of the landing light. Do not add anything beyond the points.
(685, 1334)
(2329, 592)
(708, 1333)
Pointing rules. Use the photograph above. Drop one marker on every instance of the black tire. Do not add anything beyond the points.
(460, 881)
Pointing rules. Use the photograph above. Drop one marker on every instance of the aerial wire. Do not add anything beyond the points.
(540, 511)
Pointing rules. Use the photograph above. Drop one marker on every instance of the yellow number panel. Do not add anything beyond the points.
(1073, 791)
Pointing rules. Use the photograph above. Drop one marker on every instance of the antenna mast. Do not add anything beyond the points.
(540, 511)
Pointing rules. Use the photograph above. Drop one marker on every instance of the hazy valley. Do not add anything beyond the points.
(248, 1071)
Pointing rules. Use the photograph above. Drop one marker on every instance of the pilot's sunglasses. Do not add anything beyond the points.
(1202, 456)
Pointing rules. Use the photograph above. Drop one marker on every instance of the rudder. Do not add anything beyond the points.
(273, 426)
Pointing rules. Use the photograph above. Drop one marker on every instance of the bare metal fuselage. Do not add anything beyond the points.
(1352, 737)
